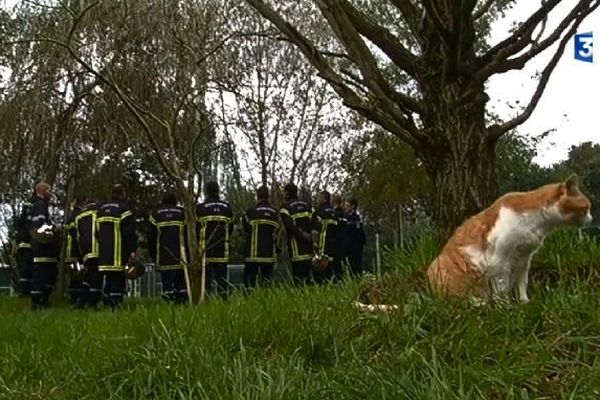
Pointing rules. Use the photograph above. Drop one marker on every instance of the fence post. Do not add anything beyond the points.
(401, 225)
(377, 256)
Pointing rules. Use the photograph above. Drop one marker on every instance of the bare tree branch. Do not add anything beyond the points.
(350, 98)
(579, 12)
(335, 11)
(336, 55)
(355, 81)
(515, 42)
(496, 131)
(410, 13)
(381, 37)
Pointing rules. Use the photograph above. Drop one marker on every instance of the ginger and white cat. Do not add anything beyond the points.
(490, 253)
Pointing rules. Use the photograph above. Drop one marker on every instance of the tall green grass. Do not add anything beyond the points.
(568, 256)
(286, 343)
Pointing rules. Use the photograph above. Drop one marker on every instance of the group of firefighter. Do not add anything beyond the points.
(324, 243)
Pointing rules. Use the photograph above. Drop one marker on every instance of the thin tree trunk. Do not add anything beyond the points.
(194, 265)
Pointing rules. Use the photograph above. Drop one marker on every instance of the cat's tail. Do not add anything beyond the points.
(375, 307)
(436, 277)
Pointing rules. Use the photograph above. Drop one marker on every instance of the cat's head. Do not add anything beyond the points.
(573, 206)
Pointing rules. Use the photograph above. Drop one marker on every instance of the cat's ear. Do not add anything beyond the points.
(572, 185)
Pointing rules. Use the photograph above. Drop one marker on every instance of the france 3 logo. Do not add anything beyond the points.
(584, 47)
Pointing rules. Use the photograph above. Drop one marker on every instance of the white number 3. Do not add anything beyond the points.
(586, 46)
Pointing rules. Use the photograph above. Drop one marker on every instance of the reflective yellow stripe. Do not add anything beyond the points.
(265, 222)
(24, 245)
(202, 242)
(169, 223)
(305, 214)
(255, 225)
(117, 240)
(215, 218)
(323, 234)
(117, 249)
(217, 259)
(95, 249)
(45, 259)
(295, 251)
(108, 219)
(111, 268)
(85, 214)
(295, 256)
(89, 256)
(165, 224)
(322, 240)
(93, 221)
(126, 214)
(254, 241)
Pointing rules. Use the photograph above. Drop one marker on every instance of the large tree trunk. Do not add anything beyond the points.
(464, 182)
(460, 153)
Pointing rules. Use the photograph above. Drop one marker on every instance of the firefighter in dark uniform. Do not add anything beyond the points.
(72, 256)
(340, 237)
(45, 248)
(296, 217)
(215, 225)
(117, 243)
(355, 234)
(22, 249)
(324, 229)
(167, 245)
(261, 224)
(91, 287)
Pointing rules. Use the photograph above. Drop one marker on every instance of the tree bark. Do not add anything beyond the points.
(194, 264)
(459, 152)
(464, 183)
(460, 156)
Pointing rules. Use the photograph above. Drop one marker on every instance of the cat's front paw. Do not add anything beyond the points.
(524, 299)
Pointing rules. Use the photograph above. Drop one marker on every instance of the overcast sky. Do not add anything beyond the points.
(569, 104)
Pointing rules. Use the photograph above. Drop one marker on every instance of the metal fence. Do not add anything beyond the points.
(149, 284)
(5, 284)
